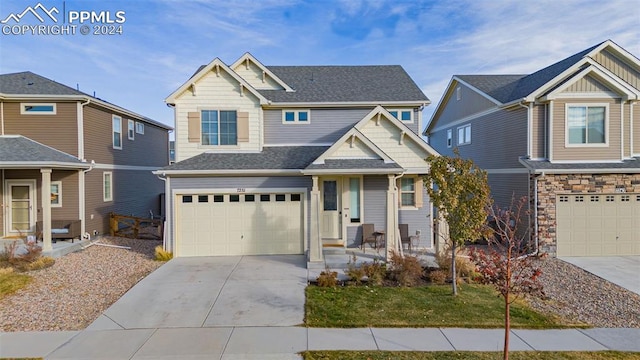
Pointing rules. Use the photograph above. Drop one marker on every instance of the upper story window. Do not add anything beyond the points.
(130, 129)
(404, 115)
(449, 138)
(295, 116)
(464, 135)
(117, 131)
(586, 124)
(37, 109)
(219, 127)
(139, 128)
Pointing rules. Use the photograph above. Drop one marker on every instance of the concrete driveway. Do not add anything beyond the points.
(214, 292)
(620, 270)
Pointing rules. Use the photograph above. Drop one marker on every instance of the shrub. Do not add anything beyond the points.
(41, 263)
(438, 277)
(354, 272)
(21, 258)
(406, 270)
(375, 272)
(162, 254)
(328, 278)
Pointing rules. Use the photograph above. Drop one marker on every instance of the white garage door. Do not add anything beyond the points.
(239, 224)
(598, 225)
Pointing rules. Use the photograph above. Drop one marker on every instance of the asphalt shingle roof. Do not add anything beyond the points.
(33, 84)
(546, 165)
(345, 164)
(271, 158)
(507, 88)
(20, 150)
(345, 84)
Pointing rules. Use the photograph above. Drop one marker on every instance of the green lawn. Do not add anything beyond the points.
(11, 282)
(466, 355)
(477, 306)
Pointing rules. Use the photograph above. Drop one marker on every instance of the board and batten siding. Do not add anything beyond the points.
(586, 84)
(59, 131)
(325, 126)
(497, 139)
(619, 67)
(215, 92)
(562, 152)
(470, 103)
(636, 128)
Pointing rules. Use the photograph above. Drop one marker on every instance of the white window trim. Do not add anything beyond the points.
(201, 145)
(296, 116)
(131, 129)
(399, 112)
(449, 138)
(108, 174)
(23, 111)
(113, 130)
(139, 128)
(59, 204)
(466, 141)
(408, 207)
(458, 93)
(566, 124)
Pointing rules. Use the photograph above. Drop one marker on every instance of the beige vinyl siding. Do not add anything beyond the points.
(255, 77)
(58, 131)
(215, 92)
(470, 103)
(539, 134)
(636, 128)
(587, 84)
(583, 153)
(618, 67)
(355, 149)
(325, 126)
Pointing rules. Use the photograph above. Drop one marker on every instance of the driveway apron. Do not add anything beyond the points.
(214, 292)
(620, 270)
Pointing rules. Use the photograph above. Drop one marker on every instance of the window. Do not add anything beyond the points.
(234, 198)
(218, 198)
(203, 198)
(56, 194)
(295, 116)
(249, 198)
(139, 128)
(265, 197)
(407, 192)
(107, 186)
(281, 197)
(458, 93)
(295, 197)
(404, 115)
(464, 135)
(117, 132)
(130, 129)
(219, 127)
(187, 198)
(354, 199)
(449, 138)
(586, 124)
(37, 109)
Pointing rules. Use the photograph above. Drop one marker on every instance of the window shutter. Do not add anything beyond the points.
(419, 187)
(194, 126)
(243, 126)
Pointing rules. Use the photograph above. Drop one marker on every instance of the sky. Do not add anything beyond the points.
(163, 42)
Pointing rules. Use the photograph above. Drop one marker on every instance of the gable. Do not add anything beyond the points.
(256, 74)
(587, 84)
(460, 101)
(354, 148)
(624, 69)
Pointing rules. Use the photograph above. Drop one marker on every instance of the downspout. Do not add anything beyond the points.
(536, 233)
(166, 209)
(529, 127)
(396, 215)
(83, 209)
(1, 117)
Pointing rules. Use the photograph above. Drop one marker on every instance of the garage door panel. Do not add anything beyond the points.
(598, 225)
(239, 224)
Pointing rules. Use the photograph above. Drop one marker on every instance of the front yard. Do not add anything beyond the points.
(477, 306)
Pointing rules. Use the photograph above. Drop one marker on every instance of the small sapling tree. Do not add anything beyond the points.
(506, 263)
(460, 192)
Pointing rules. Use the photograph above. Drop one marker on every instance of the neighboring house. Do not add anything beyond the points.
(566, 136)
(288, 159)
(65, 155)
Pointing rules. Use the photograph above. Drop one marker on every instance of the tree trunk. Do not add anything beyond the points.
(507, 327)
(454, 273)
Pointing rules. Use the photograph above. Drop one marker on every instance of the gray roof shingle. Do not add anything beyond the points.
(507, 88)
(19, 150)
(28, 83)
(541, 165)
(348, 164)
(345, 84)
(271, 158)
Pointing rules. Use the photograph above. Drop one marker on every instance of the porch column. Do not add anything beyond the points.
(392, 213)
(46, 209)
(315, 241)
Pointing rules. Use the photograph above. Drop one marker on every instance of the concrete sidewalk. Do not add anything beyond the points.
(285, 342)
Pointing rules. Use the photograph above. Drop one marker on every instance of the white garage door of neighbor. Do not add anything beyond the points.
(239, 224)
(598, 225)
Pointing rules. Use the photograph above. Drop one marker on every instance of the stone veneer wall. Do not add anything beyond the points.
(551, 185)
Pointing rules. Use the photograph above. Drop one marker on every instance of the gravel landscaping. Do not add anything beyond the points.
(80, 286)
(72, 293)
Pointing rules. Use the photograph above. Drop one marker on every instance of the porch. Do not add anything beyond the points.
(58, 249)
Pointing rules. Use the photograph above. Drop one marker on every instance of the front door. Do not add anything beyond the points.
(331, 226)
(21, 214)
